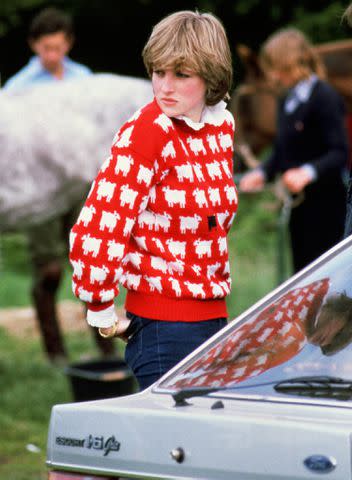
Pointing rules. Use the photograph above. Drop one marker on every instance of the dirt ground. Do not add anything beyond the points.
(21, 322)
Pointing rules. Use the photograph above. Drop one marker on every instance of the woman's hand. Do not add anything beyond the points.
(252, 181)
(296, 179)
(116, 330)
(327, 328)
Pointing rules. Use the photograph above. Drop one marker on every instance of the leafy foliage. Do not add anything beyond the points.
(10, 12)
(103, 26)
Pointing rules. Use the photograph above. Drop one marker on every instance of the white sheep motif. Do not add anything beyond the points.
(85, 295)
(108, 220)
(203, 247)
(91, 245)
(176, 247)
(133, 280)
(78, 267)
(128, 226)
(198, 171)
(106, 295)
(184, 171)
(214, 196)
(197, 269)
(177, 266)
(173, 196)
(225, 141)
(222, 243)
(196, 289)
(163, 221)
(105, 190)
(158, 263)
(190, 223)
(135, 258)
(168, 150)
(212, 269)
(127, 196)
(214, 170)
(154, 283)
(200, 198)
(86, 215)
(175, 285)
(196, 145)
(226, 168)
(159, 244)
(214, 147)
(164, 122)
(123, 139)
(123, 164)
(145, 175)
(231, 194)
(115, 250)
(98, 274)
(216, 290)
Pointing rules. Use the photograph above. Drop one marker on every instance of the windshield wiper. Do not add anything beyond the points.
(317, 386)
(181, 395)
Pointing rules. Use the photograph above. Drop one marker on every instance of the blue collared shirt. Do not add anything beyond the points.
(34, 73)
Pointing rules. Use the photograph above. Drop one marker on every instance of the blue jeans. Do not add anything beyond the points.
(157, 345)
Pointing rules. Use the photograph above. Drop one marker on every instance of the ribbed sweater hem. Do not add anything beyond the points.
(158, 307)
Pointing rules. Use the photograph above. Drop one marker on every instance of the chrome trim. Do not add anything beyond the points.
(112, 473)
(273, 399)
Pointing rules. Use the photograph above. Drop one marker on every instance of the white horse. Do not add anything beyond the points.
(54, 138)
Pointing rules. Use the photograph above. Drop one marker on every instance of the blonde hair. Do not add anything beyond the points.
(347, 15)
(196, 41)
(290, 50)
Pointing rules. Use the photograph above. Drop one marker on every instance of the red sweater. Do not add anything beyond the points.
(157, 217)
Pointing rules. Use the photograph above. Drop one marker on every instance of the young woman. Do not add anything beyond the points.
(310, 151)
(159, 211)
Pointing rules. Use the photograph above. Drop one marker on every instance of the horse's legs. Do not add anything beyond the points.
(46, 284)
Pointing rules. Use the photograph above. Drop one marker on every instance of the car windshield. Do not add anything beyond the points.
(302, 329)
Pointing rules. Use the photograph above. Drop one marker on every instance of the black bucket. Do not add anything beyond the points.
(102, 378)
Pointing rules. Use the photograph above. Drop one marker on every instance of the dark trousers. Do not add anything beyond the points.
(158, 345)
(317, 224)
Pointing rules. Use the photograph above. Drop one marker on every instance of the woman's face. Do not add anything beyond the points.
(179, 92)
(285, 78)
(51, 49)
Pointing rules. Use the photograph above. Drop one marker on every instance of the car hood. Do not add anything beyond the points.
(141, 436)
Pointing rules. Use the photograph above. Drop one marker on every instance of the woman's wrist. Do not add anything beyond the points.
(102, 318)
(110, 331)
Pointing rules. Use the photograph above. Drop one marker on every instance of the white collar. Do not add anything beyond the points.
(214, 115)
(300, 93)
(303, 89)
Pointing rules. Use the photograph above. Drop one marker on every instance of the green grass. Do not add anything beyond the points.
(29, 386)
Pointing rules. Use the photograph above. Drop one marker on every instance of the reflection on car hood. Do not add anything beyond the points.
(304, 328)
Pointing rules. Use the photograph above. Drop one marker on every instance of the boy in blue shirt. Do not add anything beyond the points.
(50, 38)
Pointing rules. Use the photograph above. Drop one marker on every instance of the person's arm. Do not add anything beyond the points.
(101, 234)
(24, 78)
(329, 112)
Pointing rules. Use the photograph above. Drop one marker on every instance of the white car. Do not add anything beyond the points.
(267, 398)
